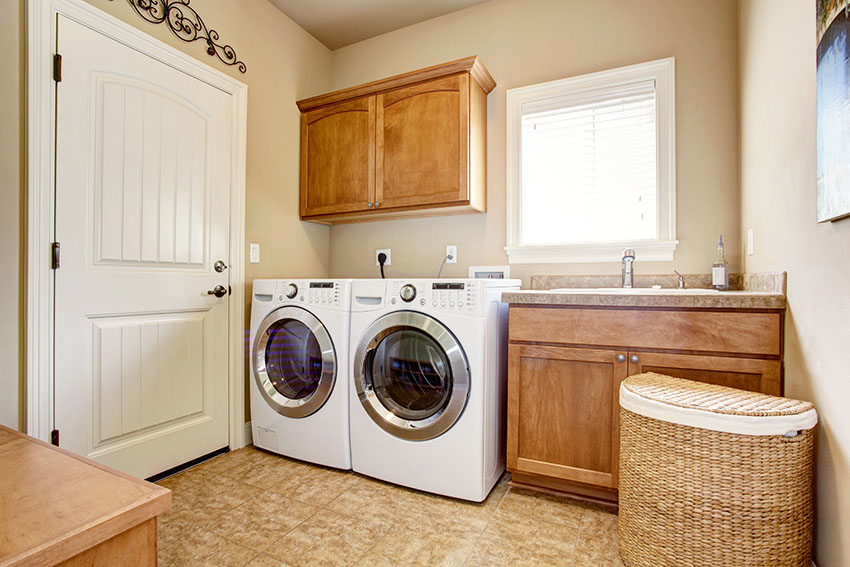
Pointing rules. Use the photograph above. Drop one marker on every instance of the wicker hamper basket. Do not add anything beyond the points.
(713, 476)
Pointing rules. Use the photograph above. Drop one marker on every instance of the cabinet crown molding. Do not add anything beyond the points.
(471, 65)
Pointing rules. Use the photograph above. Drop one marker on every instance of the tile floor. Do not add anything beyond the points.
(253, 508)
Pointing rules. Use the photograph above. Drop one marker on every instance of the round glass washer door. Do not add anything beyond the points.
(411, 375)
(294, 362)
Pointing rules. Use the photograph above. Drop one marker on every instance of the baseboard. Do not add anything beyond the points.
(247, 438)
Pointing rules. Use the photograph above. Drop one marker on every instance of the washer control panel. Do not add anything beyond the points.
(457, 296)
(310, 293)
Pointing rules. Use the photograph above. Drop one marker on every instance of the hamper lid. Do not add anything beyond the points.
(717, 408)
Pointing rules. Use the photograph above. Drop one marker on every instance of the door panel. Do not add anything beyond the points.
(142, 213)
(338, 158)
(563, 413)
(423, 143)
(754, 375)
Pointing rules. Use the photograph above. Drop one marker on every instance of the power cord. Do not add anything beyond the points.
(382, 258)
(443, 265)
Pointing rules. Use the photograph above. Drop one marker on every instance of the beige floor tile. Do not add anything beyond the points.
(261, 520)
(327, 539)
(209, 498)
(191, 545)
(317, 486)
(511, 539)
(542, 506)
(408, 548)
(597, 541)
(264, 561)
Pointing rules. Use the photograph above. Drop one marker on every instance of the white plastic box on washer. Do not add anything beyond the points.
(428, 366)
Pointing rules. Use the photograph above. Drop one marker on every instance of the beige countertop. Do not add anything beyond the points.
(647, 297)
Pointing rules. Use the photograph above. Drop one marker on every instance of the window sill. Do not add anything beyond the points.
(579, 253)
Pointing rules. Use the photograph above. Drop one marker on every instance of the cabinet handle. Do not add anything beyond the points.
(621, 358)
(369, 204)
(634, 359)
(377, 204)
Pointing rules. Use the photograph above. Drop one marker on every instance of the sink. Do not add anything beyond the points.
(636, 290)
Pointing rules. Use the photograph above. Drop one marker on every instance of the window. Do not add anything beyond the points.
(591, 167)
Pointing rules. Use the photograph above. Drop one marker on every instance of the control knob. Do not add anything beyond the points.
(291, 290)
(408, 293)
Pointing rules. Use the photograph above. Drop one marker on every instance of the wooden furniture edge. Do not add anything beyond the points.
(471, 65)
(410, 211)
(564, 488)
(74, 542)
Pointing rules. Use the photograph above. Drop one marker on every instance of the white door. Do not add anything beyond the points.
(142, 212)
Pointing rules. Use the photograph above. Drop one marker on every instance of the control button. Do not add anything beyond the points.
(434, 303)
(442, 304)
(393, 301)
(460, 303)
(451, 303)
(281, 298)
(301, 298)
(422, 301)
(408, 293)
(291, 290)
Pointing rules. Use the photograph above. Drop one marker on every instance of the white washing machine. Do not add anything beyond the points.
(427, 402)
(299, 367)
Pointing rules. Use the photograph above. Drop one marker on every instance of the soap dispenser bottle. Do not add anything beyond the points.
(720, 269)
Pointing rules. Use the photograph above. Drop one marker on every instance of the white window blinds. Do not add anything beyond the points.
(589, 167)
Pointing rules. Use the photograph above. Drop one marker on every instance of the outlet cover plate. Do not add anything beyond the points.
(451, 250)
(386, 251)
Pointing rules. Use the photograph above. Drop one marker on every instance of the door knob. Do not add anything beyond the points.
(218, 291)
(219, 266)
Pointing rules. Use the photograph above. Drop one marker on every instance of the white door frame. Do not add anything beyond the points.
(41, 133)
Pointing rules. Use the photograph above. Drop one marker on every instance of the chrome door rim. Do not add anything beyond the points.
(447, 416)
(281, 404)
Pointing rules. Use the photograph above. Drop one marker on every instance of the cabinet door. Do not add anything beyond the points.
(754, 375)
(338, 158)
(423, 143)
(563, 413)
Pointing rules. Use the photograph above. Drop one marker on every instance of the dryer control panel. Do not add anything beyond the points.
(457, 296)
(310, 292)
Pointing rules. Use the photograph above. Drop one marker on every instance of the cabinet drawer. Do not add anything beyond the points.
(706, 331)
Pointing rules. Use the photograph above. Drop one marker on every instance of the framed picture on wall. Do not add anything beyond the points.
(833, 114)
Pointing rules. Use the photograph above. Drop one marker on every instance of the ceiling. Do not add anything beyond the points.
(338, 23)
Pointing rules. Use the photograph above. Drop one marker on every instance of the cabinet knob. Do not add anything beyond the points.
(369, 204)
(634, 359)
(377, 204)
(621, 358)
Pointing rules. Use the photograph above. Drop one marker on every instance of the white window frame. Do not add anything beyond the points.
(662, 248)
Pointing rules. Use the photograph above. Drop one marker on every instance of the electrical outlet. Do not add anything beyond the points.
(254, 253)
(451, 250)
(750, 242)
(389, 256)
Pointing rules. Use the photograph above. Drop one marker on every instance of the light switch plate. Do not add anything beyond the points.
(750, 242)
(254, 253)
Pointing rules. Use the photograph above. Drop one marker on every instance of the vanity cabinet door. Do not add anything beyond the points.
(563, 413)
(423, 143)
(338, 158)
(751, 374)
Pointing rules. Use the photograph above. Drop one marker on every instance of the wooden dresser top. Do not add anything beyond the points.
(54, 504)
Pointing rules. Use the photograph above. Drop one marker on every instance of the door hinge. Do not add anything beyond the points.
(54, 437)
(57, 68)
(54, 256)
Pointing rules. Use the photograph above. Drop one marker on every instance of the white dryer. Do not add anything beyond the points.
(299, 366)
(427, 402)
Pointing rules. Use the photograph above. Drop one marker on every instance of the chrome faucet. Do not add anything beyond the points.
(628, 268)
(681, 279)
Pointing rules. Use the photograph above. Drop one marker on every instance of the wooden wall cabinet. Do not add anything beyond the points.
(565, 365)
(410, 145)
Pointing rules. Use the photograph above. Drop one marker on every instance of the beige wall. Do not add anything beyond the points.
(11, 168)
(778, 196)
(524, 42)
(284, 62)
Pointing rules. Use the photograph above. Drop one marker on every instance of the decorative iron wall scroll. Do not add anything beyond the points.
(185, 23)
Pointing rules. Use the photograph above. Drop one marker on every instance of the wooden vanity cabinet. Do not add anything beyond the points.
(411, 145)
(565, 365)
